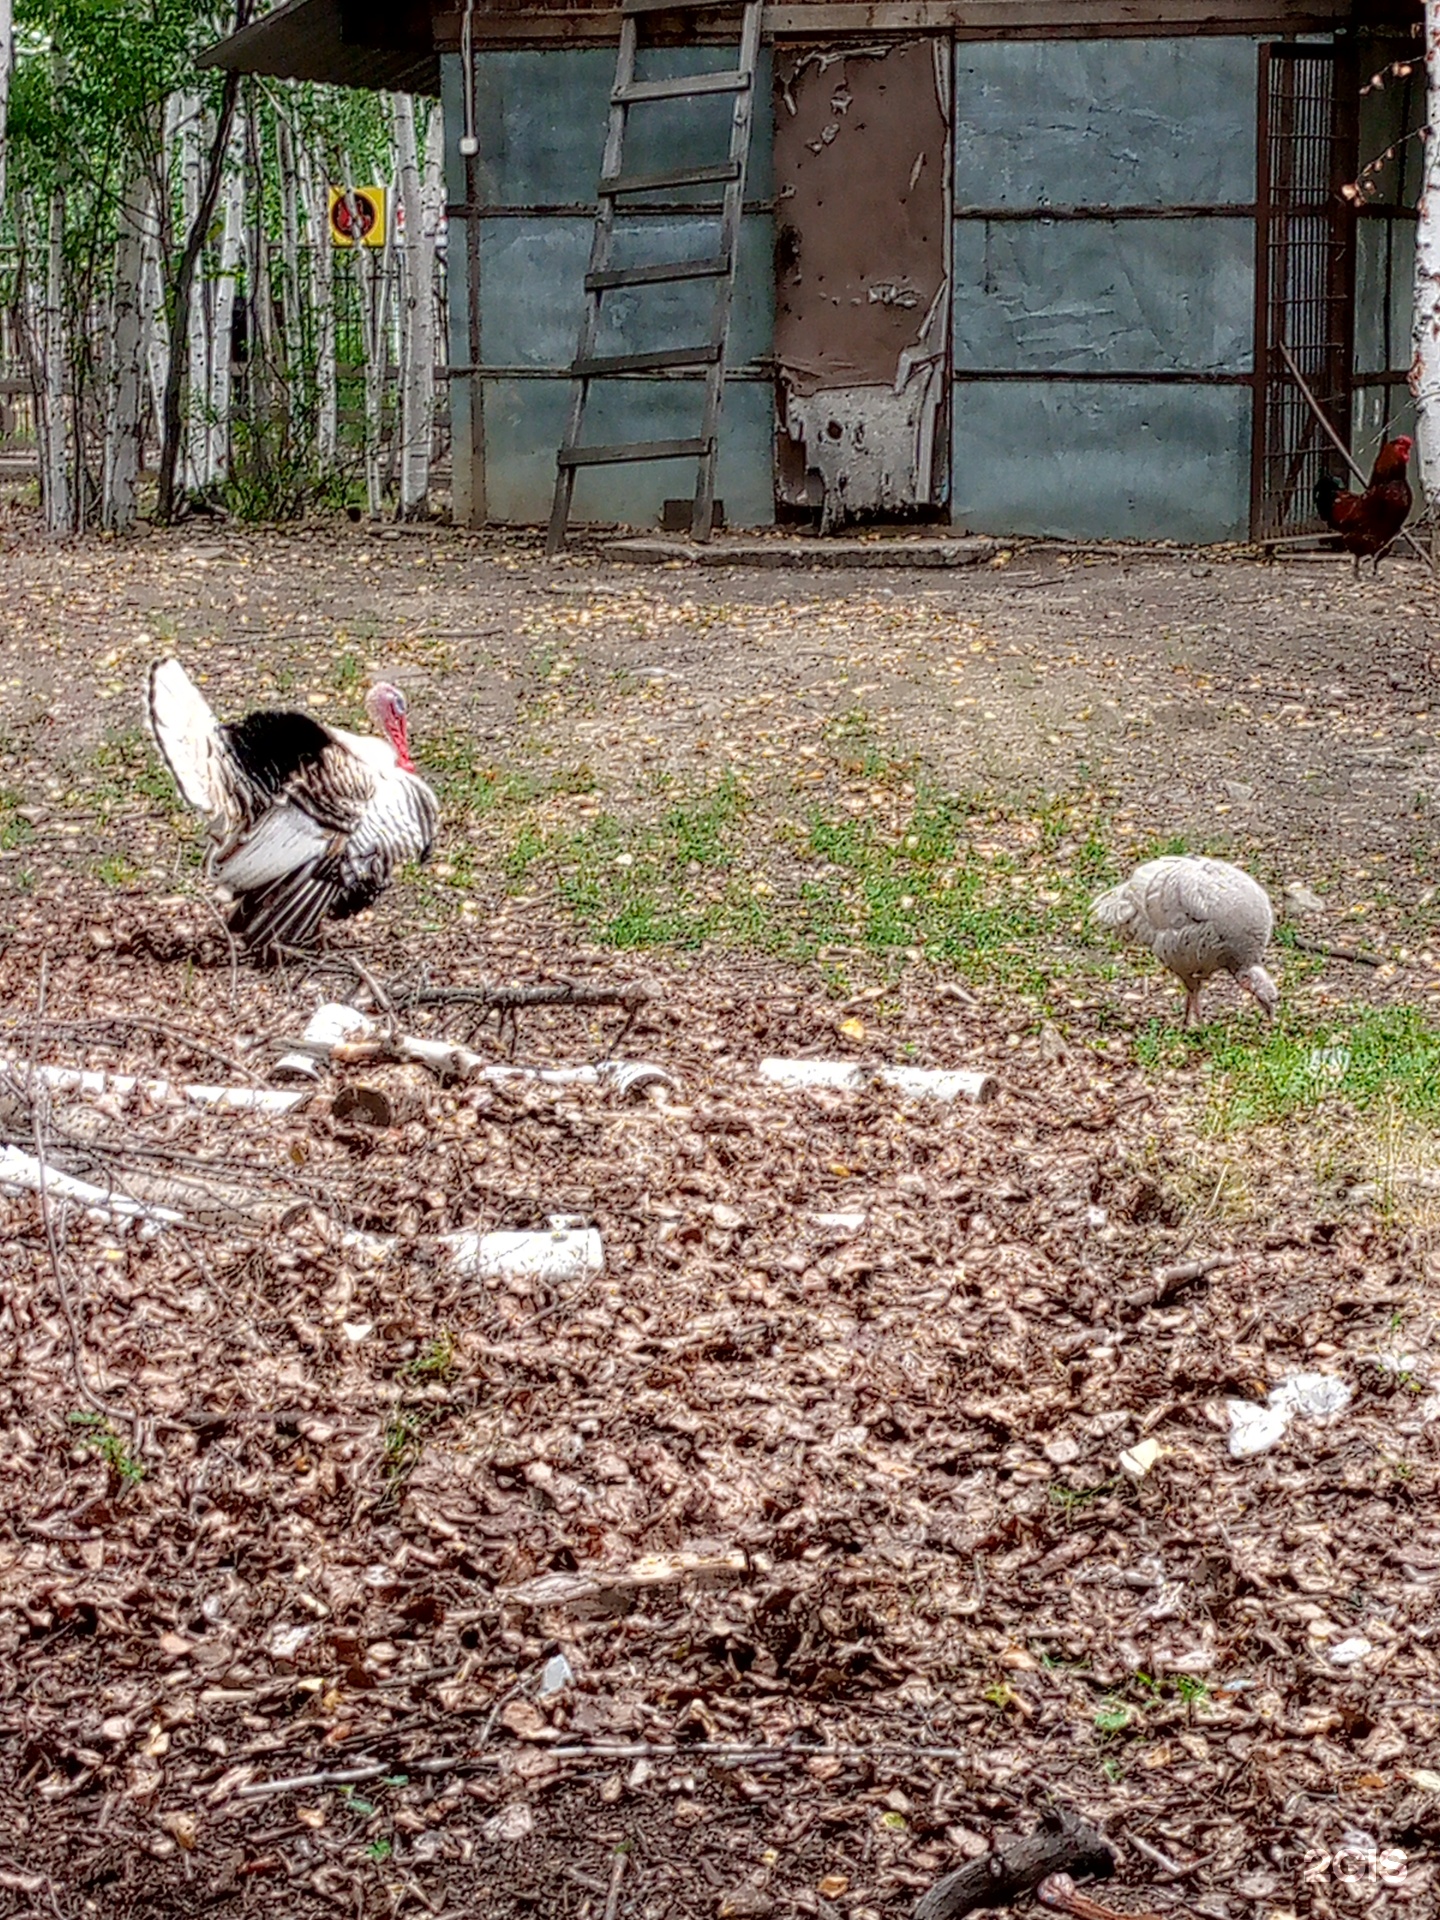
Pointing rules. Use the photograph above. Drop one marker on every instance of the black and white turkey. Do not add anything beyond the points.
(308, 821)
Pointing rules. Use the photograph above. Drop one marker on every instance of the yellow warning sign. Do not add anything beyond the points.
(362, 207)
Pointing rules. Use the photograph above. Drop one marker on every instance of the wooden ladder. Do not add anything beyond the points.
(601, 278)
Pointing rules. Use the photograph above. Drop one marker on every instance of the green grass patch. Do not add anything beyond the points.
(1367, 1057)
(991, 893)
(14, 831)
(123, 765)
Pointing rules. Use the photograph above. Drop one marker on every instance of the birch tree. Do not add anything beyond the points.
(320, 256)
(417, 329)
(7, 61)
(1425, 364)
(125, 400)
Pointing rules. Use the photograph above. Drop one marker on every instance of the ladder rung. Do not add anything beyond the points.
(681, 6)
(680, 177)
(682, 86)
(656, 276)
(632, 450)
(655, 362)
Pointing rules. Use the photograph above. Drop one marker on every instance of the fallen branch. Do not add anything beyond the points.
(1169, 1280)
(22, 1172)
(556, 993)
(1171, 1869)
(141, 1023)
(1062, 1845)
(1352, 954)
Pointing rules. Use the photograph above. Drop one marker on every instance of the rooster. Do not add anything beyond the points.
(308, 821)
(1369, 522)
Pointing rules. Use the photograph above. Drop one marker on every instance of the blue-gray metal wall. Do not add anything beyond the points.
(1039, 126)
(1119, 123)
(540, 119)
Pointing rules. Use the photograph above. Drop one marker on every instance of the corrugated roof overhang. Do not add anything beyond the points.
(308, 40)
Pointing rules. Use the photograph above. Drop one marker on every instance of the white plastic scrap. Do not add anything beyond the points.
(1137, 1461)
(1349, 1653)
(1314, 1396)
(556, 1676)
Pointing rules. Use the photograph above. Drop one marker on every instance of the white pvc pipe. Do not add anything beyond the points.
(125, 1085)
(23, 1173)
(561, 1254)
(327, 1027)
(850, 1076)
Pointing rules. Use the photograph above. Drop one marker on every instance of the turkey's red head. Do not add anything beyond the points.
(386, 707)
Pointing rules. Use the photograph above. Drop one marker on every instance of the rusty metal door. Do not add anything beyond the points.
(1304, 276)
(862, 297)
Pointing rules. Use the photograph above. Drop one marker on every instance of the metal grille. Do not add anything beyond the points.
(1304, 279)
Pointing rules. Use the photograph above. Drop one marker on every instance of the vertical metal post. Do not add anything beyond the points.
(1260, 388)
(479, 505)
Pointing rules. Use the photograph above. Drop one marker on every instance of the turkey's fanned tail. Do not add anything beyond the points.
(187, 735)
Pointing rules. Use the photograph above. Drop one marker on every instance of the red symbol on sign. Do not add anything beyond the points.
(365, 215)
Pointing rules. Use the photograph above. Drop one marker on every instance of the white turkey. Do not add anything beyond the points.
(309, 821)
(1199, 916)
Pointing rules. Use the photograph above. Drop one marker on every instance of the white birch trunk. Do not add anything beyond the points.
(320, 290)
(7, 59)
(54, 439)
(187, 134)
(375, 331)
(1425, 366)
(297, 374)
(222, 306)
(157, 320)
(417, 328)
(124, 400)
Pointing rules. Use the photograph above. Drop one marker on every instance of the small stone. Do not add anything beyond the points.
(1300, 900)
(1062, 1451)
(514, 1824)
(1237, 791)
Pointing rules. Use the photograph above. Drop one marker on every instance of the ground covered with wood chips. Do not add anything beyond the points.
(877, 1494)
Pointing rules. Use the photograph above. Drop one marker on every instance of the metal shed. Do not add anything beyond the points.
(1025, 266)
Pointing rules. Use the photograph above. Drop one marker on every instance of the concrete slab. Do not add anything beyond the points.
(803, 551)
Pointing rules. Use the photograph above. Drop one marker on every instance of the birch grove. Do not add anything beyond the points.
(196, 337)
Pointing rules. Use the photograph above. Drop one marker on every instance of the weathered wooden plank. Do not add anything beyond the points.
(680, 86)
(621, 453)
(660, 274)
(597, 366)
(968, 19)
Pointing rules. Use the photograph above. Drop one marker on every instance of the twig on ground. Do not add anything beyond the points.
(52, 1247)
(1331, 952)
(617, 1874)
(140, 1023)
(715, 1750)
(1170, 1868)
(1170, 1279)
